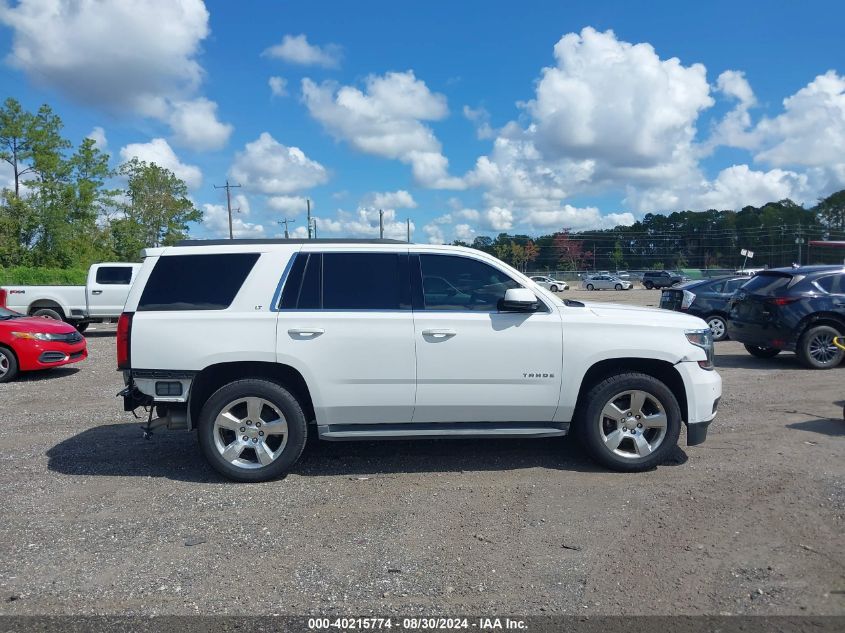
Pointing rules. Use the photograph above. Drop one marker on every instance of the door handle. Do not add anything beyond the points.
(96, 292)
(439, 333)
(306, 331)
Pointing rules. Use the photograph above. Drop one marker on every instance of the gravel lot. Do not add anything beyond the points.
(99, 520)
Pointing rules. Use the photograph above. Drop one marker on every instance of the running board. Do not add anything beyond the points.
(345, 432)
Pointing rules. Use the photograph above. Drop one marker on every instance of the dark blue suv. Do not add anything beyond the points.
(797, 309)
(705, 298)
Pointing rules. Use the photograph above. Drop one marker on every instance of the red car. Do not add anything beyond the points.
(28, 343)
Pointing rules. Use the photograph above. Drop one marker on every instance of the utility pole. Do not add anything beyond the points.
(381, 224)
(315, 227)
(308, 204)
(285, 222)
(408, 227)
(228, 189)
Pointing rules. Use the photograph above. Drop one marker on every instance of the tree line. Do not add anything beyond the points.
(778, 233)
(65, 207)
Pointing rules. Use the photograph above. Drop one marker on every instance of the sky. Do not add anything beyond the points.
(467, 118)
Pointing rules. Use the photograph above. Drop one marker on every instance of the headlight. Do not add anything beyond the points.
(704, 340)
(39, 336)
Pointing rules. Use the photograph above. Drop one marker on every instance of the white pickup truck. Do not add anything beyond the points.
(101, 298)
(258, 343)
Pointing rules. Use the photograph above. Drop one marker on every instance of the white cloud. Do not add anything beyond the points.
(577, 218)
(158, 151)
(400, 199)
(386, 119)
(481, 119)
(295, 49)
(363, 223)
(278, 86)
(464, 232)
(498, 219)
(216, 221)
(467, 214)
(289, 204)
(98, 135)
(119, 55)
(266, 166)
(434, 233)
(733, 128)
(195, 125)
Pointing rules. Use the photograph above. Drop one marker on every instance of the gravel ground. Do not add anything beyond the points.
(98, 520)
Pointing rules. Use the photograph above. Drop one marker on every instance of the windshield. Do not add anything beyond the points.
(9, 314)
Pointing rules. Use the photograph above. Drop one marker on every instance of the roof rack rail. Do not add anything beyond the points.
(321, 240)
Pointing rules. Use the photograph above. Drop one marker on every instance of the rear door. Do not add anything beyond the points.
(107, 289)
(474, 363)
(345, 319)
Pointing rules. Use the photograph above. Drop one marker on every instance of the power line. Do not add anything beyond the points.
(285, 222)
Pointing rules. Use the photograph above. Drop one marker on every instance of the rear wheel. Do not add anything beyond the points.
(49, 313)
(629, 422)
(816, 349)
(590, 287)
(762, 352)
(252, 430)
(8, 365)
(718, 327)
(81, 326)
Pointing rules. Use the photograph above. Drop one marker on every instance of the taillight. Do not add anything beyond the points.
(2, 297)
(687, 301)
(124, 330)
(782, 301)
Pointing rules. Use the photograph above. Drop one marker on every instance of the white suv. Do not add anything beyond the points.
(256, 343)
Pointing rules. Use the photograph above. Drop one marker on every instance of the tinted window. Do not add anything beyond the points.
(832, 284)
(114, 275)
(767, 283)
(716, 286)
(363, 281)
(732, 285)
(196, 282)
(461, 283)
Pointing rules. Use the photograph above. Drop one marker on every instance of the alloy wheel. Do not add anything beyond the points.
(633, 424)
(250, 432)
(4, 365)
(822, 349)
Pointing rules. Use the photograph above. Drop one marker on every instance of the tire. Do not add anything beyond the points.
(762, 352)
(718, 326)
(648, 285)
(272, 404)
(553, 288)
(48, 313)
(81, 326)
(816, 349)
(8, 365)
(590, 287)
(618, 287)
(598, 432)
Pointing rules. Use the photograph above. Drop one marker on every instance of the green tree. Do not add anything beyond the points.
(618, 257)
(831, 210)
(157, 211)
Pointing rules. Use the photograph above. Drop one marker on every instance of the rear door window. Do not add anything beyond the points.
(196, 282)
(114, 275)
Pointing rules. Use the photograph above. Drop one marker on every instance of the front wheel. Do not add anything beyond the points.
(553, 288)
(618, 286)
(816, 349)
(8, 365)
(590, 287)
(252, 430)
(762, 352)
(630, 422)
(648, 285)
(718, 327)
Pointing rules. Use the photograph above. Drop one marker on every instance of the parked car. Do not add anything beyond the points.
(662, 279)
(251, 342)
(707, 299)
(797, 309)
(100, 299)
(605, 282)
(622, 274)
(29, 343)
(550, 284)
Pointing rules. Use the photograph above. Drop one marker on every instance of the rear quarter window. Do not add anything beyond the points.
(767, 283)
(114, 275)
(196, 282)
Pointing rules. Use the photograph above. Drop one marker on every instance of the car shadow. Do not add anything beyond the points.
(46, 374)
(120, 450)
(783, 361)
(826, 426)
(100, 333)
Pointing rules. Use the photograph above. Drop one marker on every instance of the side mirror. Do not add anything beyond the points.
(518, 300)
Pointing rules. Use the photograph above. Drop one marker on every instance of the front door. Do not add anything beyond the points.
(474, 363)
